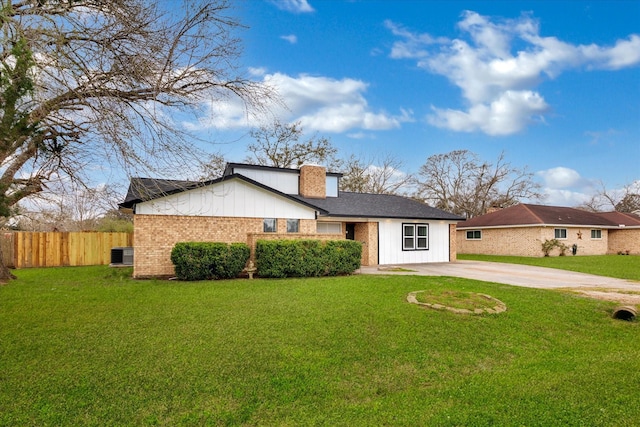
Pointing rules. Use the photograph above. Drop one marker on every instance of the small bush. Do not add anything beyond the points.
(209, 260)
(549, 245)
(307, 258)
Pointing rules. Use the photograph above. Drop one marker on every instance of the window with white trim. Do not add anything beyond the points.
(293, 225)
(474, 234)
(270, 225)
(329, 228)
(415, 237)
(560, 233)
(596, 234)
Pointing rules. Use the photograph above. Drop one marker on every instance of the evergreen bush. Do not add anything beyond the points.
(209, 260)
(307, 258)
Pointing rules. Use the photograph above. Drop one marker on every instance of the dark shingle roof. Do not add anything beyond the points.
(526, 214)
(621, 218)
(142, 189)
(363, 205)
(359, 205)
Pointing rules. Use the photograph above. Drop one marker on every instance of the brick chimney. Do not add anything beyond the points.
(313, 182)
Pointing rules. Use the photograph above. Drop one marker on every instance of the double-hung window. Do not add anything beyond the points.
(596, 234)
(474, 235)
(560, 233)
(415, 237)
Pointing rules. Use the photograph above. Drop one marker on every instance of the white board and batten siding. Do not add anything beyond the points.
(390, 243)
(233, 198)
(284, 181)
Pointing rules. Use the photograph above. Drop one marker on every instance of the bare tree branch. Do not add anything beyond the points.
(460, 183)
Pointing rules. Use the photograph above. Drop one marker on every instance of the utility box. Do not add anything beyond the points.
(122, 256)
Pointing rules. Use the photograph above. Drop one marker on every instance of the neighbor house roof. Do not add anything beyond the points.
(529, 215)
(622, 218)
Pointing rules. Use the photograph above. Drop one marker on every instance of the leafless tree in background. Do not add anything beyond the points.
(459, 182)
(625, 199)
(278, 144)
(378, 175)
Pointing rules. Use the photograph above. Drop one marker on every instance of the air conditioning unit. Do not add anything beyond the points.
(122, 256)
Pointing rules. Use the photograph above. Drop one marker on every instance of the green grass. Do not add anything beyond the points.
(619, 266)
(87, 346)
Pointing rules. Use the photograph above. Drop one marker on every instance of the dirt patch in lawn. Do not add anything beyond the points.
(620, 296)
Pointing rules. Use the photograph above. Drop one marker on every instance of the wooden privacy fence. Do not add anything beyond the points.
(25, 249)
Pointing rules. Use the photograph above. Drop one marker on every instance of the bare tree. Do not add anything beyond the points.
(461, 183)
(66, 206)
(278, 144)
(213, 167)
(89, 81)
(625, 199)
(381, 175)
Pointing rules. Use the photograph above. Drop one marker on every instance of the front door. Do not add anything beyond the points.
(351, 232)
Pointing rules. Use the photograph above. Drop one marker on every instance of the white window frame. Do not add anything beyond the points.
(473, 234)
(596, 234)
(558, 233)
(270, 225)
(415, 237)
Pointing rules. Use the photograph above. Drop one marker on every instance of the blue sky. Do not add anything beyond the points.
(553, 84)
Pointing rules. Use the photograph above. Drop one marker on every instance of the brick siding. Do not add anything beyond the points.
(157, 234)
(624, 240)
(452, 243)
(527, 241)
(313, 182)
(367, 233)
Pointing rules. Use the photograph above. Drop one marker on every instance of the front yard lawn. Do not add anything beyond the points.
(619, 266)
(88, 346)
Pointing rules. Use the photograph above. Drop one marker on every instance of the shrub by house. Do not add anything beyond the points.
(209, 260)
(307, 258)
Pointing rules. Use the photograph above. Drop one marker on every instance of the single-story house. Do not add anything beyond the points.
(251, 202)
(521, 229)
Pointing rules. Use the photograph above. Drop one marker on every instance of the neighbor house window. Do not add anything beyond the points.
(474, 234)
(415, 237)
(560, 233)
(293, 225)
(596, 234)
(270, 225)
(329, 228)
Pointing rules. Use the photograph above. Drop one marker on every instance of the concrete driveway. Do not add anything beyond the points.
(523, 275)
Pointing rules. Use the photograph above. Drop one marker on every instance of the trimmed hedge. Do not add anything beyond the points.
(209, 260)
(307, 258)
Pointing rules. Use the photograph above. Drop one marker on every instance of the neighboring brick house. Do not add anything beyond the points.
(521, 229)
(250, 202)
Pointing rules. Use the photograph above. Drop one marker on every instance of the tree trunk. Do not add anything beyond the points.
(5, 273)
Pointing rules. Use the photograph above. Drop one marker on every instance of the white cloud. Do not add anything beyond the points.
(319, 103)
(504, 116)
(294, 6)
(291, 38)
(494, 77)
(564, 186)
(560, 177)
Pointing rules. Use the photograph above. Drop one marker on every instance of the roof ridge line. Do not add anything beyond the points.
(526, 206)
